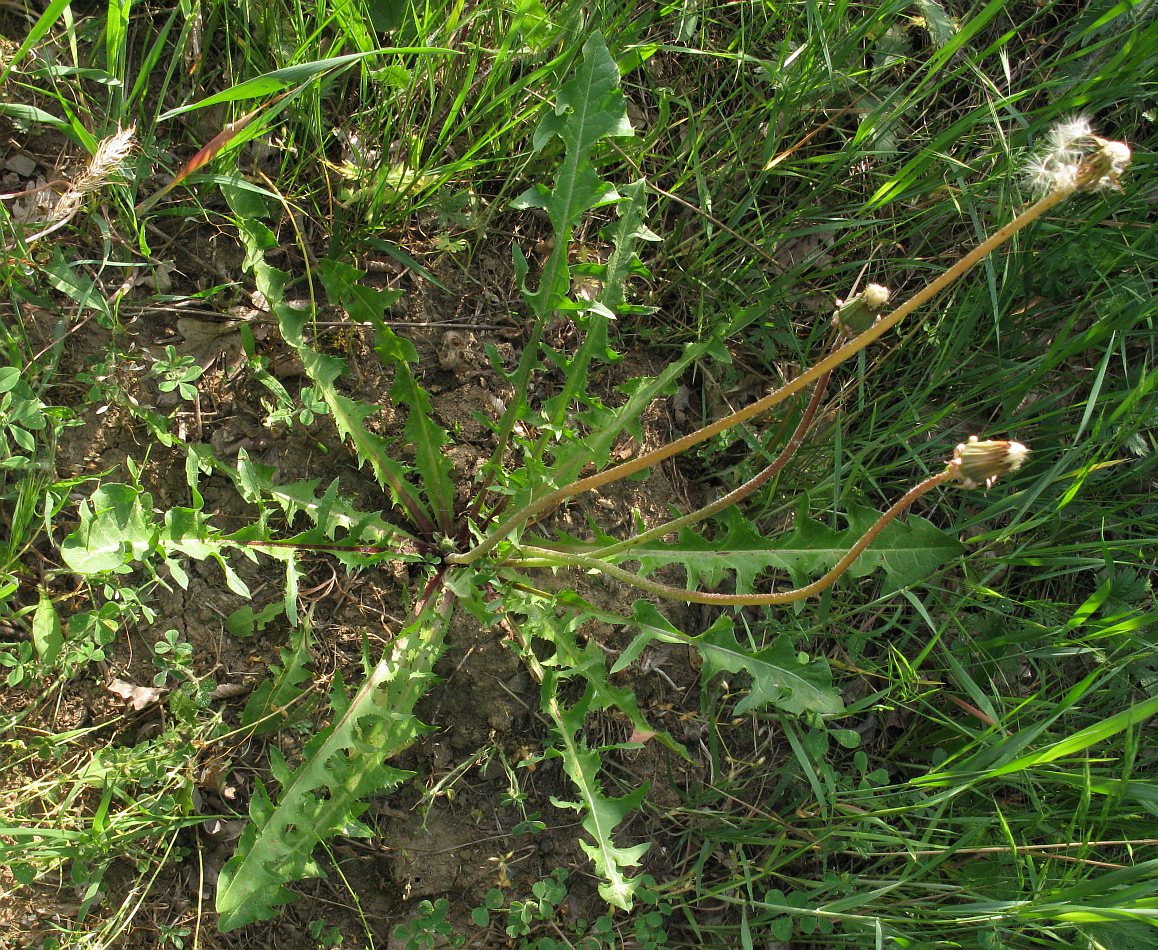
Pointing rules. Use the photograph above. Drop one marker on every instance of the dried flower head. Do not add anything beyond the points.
(982, 463)
(859, 313)
(453, 353)
(1104, 167)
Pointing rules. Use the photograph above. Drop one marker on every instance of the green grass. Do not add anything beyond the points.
(990, 783)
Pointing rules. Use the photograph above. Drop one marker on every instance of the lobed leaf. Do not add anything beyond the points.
(429, 440)
(342, 765)
(780, 677)
(905, 551)
(266, 709)
(601, 813)
(331, 513)
(941, 26)
(349, 415)
(323, 370)
(587, 661)
(629, 227)
(588, 107)
(117, 529)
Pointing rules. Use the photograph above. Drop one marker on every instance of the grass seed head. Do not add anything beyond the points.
(106, 161)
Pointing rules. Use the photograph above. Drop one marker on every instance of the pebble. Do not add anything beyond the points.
(22, 165)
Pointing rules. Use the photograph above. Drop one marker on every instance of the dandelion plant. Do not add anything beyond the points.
(482, 542)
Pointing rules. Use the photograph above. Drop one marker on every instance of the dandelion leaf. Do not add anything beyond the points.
(324, 370)
(601, 813)
(739, 554)
(941, 26)
(589, 106)
(780, 678)
(268, 706)
(326, 795)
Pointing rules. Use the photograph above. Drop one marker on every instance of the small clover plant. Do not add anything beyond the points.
(177, 373)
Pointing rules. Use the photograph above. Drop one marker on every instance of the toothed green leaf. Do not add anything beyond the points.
(324, 370)
(117, 529)
(628, 229)
(588, 661)
(429, 440)
(905, 551)
(941, 26)
(588, 107)
(779, 677)
(342, 765)
(333, 515)
(269, 706)
(601, 813)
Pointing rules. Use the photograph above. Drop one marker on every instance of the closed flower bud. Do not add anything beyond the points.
(859, 313)
(982, 463)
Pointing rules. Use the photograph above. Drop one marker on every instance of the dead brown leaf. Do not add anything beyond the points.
(136, 696)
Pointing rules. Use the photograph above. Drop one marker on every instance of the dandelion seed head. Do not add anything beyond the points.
(1037, 173)
(1046, 173)
(1067, 137)
(1065, 175)
(1077, 159)
(876, 296)
(857, 314)
(1119, 153)
(1111, 159)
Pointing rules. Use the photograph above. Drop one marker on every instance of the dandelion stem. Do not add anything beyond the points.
(826, 365)
(544, 557)
(736, 495)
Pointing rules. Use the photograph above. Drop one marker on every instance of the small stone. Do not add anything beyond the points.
(22, 165)
(452, 355)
